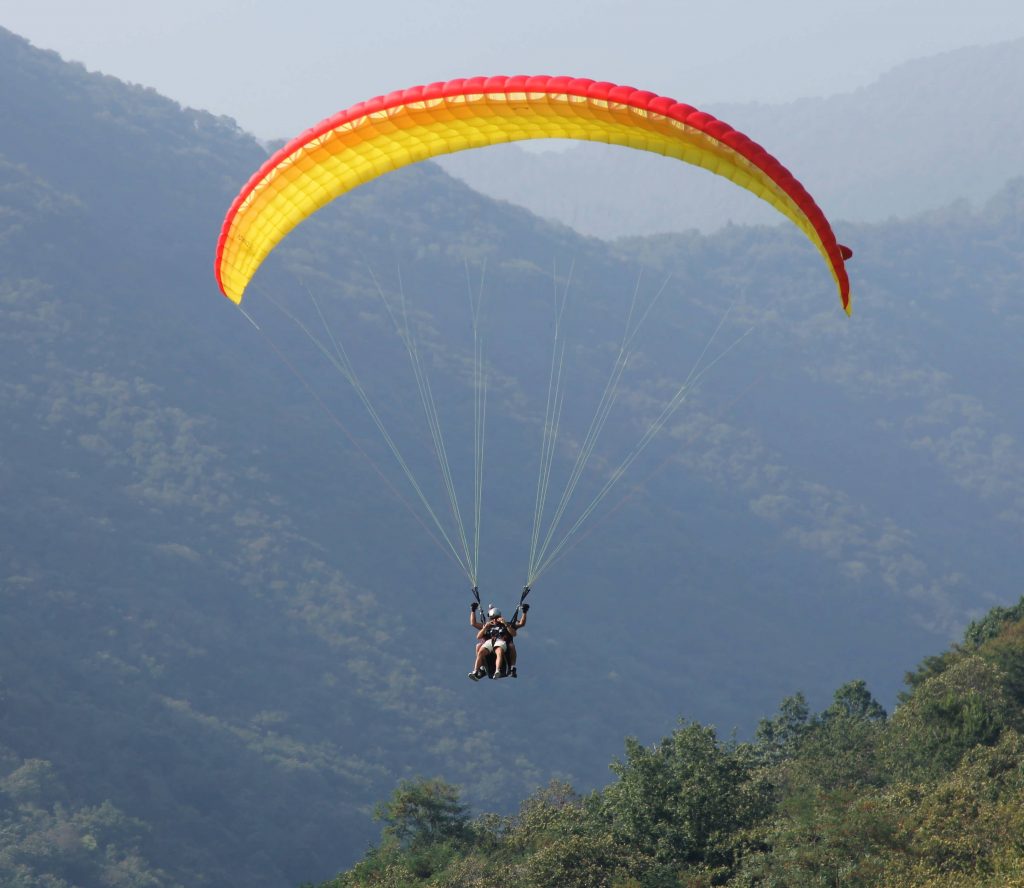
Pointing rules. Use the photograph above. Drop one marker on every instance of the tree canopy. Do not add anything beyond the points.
(931, 795)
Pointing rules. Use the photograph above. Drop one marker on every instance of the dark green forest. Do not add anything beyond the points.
(223, 638)
(931, 795)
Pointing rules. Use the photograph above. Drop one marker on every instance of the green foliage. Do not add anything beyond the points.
(853, 703)
(781, 736)
(950, 713)
(841, 749)
(424, 812)
(1005, 650)
(929, 667)
(43, 842)
(828, 826)
(584, 859)
(678, 803)
(972, 819)
(978, 638)
(550, 812)
(822, 838)
(933, 796)
(992, 625)
(427, 836)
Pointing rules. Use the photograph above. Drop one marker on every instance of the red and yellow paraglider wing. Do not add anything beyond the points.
(392, 131)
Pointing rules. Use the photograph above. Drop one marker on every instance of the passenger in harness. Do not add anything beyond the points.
(496, 649)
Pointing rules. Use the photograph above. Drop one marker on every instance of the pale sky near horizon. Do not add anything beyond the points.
(279, 67)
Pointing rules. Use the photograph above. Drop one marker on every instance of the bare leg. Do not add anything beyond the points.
(499, 655)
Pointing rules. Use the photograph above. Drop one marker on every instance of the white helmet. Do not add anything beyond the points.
(493, 612)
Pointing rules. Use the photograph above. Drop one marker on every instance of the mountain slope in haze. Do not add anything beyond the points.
(927, 133)
(221, 623)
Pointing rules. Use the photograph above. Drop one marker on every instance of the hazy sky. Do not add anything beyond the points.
(278, 66)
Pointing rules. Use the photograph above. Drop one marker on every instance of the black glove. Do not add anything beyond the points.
(474, 605)
(526, 607)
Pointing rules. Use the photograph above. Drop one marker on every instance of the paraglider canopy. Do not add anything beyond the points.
(388, 132)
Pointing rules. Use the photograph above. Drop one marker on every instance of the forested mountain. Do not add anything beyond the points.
(929, 132)
(223, 637)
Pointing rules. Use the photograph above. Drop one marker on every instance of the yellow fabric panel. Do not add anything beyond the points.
(362, 149)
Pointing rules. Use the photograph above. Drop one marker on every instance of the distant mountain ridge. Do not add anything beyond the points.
(929, 132)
